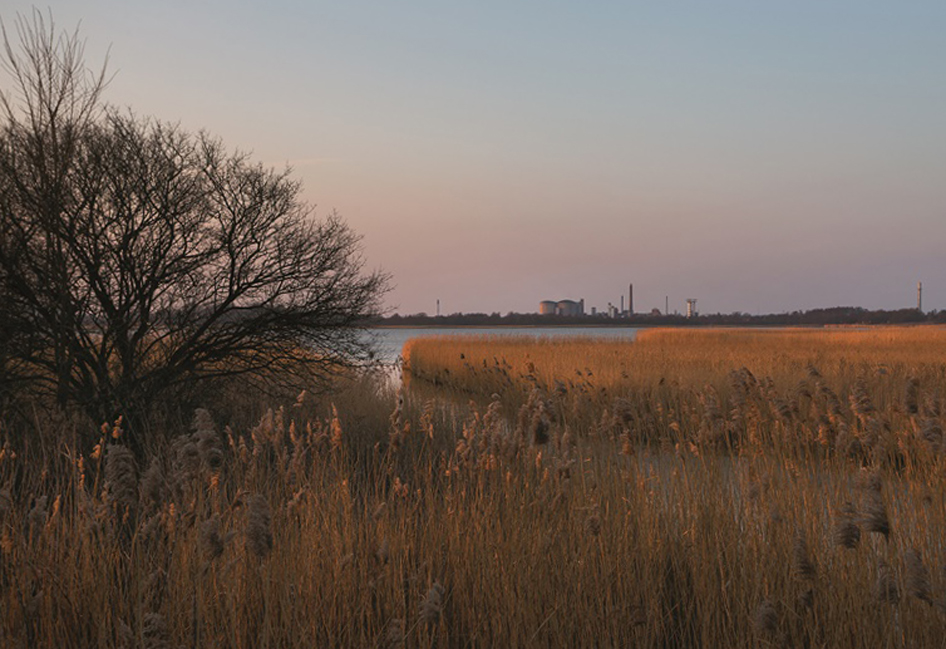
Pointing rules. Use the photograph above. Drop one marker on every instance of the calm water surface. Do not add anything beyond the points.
(390, 341)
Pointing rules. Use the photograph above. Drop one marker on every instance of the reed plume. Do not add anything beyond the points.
(125, 635)
(36, 519)
(765, 620)
(400, 428)
(185, 465)
(6, 501)
(209, 444)
(383, 554)
(874, 515)
(431, 607)
(802, 564)
(861, 403)
(539, 426)
(932, 433)
(846, 532)
(121, 480)
(155, 632)
(832, 404)
(911, 395)
(335, 437)
(918, 577)
(211, 541)
(259, 534)
(886, 586)
(806, 599)
(932, 406)
(393, 636)
(264, 433)
(295, 503)
(153, 489)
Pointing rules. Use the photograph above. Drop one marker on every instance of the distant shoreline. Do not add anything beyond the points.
(507, 325)
(832, 317)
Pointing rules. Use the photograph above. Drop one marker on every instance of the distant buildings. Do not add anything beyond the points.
(562, 307)
(618, 311)
(572, 308)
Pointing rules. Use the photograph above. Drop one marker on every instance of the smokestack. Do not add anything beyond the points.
(621, 312)
(630, 299)
(666, 305)
(919, 297)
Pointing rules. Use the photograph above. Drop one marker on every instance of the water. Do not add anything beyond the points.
(390, 341)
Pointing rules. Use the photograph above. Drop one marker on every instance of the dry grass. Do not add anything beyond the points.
(534, 523)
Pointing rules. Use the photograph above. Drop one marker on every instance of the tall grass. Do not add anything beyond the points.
(382, 519)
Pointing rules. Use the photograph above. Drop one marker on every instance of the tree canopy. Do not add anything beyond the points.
(136, 257)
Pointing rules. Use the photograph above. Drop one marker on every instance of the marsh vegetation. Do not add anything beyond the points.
(693, 488)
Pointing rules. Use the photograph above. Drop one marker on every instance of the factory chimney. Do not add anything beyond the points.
(621, 312)
(630, 299)
(919, 297)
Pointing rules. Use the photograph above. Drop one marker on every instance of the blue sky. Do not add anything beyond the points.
(757, 156)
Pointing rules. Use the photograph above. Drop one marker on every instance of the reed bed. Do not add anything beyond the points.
(383, 519)
(850, 392)
(687, 358)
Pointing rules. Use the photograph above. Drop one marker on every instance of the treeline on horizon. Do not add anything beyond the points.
(814, 317)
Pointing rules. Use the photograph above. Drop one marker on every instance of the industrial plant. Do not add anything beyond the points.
(615, 311)
(562, 307)
(572, 308)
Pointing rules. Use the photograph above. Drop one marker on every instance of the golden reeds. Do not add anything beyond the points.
(565, 543)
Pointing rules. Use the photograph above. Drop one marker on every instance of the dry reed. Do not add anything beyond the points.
(644, 519)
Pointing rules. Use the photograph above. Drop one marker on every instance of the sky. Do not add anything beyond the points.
(759, 157)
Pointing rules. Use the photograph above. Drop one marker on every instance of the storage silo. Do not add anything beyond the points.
(567, 307)
(546, 307)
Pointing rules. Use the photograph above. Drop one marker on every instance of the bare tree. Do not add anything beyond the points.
(136, 257)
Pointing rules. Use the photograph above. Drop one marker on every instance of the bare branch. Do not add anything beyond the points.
(136, 257)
